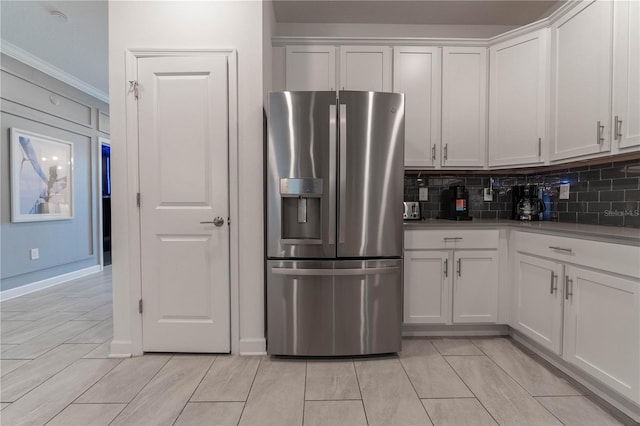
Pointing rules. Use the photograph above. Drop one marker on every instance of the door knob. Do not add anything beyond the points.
(217, 221)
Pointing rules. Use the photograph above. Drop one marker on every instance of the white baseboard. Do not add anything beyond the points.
(121, 349)
(252, 347)
(470, 330)
(49, 282)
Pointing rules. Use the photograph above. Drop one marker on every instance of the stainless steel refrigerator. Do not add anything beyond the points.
(335, 181)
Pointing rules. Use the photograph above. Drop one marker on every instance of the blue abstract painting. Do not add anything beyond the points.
(41, 177)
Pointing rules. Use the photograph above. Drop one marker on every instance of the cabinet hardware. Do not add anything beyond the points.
(552, 288)
(600, 138)
(459, 267)
(568, 282)
(140, 305)
(539, 147)
(433, 152)
(617, 129)
(452, 238)
(446, 150)
(446, 268)
(568, 250)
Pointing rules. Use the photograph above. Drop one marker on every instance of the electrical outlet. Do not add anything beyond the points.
(488, 194)
(34, 253)
(564, 191)
(424, 194)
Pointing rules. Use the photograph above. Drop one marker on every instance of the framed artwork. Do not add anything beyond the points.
(41, 177)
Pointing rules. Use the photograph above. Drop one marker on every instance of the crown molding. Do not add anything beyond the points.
(387, 41)
(428, 41)
(27, 58)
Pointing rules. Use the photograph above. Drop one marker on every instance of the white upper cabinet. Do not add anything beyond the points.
(417, 74)
(581, 81)
(517, 100)
(365, 68)
(310, 68)
(464, 106)
(626, 74)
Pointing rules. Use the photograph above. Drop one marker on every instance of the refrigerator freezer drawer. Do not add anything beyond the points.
(334, 308)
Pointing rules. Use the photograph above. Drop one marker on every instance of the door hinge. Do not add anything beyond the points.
(140, 305)
(138, 199)
(133, 87)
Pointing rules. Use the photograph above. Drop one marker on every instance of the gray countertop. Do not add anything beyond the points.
(612, 234)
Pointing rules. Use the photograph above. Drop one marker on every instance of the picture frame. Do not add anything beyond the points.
(41, 177)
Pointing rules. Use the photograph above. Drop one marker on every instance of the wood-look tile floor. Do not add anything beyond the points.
(55, 371)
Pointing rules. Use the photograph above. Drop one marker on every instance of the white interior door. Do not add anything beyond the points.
(183, 142)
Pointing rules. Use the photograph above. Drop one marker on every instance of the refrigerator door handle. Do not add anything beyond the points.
(332, 174)
(343, 172)
(334, 272)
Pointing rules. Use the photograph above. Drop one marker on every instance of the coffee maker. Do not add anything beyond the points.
(455, 203)
(526, 203)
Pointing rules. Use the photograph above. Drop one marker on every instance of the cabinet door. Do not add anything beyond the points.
(475, 286)
(602, 328)
(581, 81)
(517, 100)
(365, 68)
(538, 310)
(310, 68)
(427, 287)
(626, 69)
(416, 73)
(464, 106)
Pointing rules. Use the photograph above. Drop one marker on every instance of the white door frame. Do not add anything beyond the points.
(133, 185)
(101, 141)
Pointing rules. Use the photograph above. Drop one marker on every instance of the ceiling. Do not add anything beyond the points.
(79, 46)
(425, 12)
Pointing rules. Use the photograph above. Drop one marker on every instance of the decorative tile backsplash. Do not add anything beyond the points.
(603, 194)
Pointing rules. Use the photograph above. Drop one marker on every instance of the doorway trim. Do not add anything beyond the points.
(101, 141)
(134, 347)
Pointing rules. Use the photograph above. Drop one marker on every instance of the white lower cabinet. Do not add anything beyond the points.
(539, 300)
(475, 286)
(427, 284)
(450, 286)
(602, 328)
(589, 317)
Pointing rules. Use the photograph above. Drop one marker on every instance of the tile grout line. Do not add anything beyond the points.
(141, 389)
(517, 382)
(53, 374)
(250, 389)
(467, 386)
(355, 370)
(65, 407)
(215, 358)
(415, 391)
(304, 392)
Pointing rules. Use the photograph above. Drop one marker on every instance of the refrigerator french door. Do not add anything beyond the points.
(334, 222)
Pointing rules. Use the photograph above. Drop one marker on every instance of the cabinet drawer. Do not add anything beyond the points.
(617, 258)
(23, 92)
(417, 239)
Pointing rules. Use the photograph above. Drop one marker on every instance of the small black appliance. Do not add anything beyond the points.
(455, 203)
(526, 203)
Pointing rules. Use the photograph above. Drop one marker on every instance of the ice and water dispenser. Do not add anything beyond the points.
(301, 210)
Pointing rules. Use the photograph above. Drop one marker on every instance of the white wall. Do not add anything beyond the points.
(175, 25)
(390, 30)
